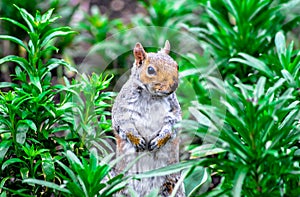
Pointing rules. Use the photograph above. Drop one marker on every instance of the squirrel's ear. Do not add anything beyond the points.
(139, 54)
(167, 47)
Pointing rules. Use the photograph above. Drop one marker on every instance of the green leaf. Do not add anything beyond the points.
(11, 161)
(27, 17)
(73, 159)
(276, 86)
(15, 23)
(205, 150)
(47, 184)
(75, 189)
(112, 190)
(174, 168)
(260, 88)
(239, 180)
(19, 192)
(19, 60)
(4, 146)
(254, 63)
(195, 180)
(289, 119)
(3, 182)
(47, 16)
(68, 170)
(15, 40)
(48, 166)
(29, 123)
(24, 172)
(22, 130)
(56, 32)
(280, 43)
(36, 82)
(201, 119)
(54, 63)
(289, 78)
(6, 84)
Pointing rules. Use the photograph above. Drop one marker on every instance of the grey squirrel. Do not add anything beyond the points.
(143, 118)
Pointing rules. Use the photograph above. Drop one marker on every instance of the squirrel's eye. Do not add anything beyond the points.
(151, 70)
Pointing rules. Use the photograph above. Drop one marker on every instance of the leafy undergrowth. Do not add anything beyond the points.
(45, 128)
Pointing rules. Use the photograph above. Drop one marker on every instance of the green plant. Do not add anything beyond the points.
(38, 118)
(167, 13)
(31, 115)
(260, 140)
(86, 177)
(98, 26)
(29, 164)
(92, 111)
(234, 26)
(7, 10)
(285, 64)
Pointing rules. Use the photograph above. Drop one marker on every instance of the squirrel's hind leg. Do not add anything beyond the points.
(169, 185)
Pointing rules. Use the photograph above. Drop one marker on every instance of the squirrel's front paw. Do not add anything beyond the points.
(137, 141)
(157, 142)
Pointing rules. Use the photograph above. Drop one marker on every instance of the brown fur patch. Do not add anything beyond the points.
(168, 186)
(134, 140)
(163, 140)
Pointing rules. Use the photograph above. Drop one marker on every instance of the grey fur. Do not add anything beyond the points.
(150, 118)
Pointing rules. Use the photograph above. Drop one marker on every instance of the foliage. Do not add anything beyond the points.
(234, 26)
(260, 138)
(167, 13)
(61, 7)
(85, 177)
(98, 26)
(29, 114)
(285, 64)
(92, 111)
(259, 143)
(37, 118)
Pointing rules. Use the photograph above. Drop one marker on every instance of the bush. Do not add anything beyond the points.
(38, 119)
(249, 27)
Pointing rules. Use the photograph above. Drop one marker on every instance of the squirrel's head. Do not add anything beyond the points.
(157, 71)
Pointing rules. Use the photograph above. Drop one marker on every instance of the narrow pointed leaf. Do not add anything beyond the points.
(15, 40)
(11, 161)
(239, 181)
(27, 17)
(47, 184)
(15, 23)
(57, 32)
(254, 63)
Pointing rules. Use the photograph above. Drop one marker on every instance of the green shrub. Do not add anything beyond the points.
(284, 64)
(85, 177)
(167, 13)
(234, 26)
(37, 118)
(260, 138)
(257, 149)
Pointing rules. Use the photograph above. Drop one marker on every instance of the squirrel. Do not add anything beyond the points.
(143, 118)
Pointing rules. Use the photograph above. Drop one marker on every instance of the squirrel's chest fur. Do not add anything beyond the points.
(137, 109)
(151, 110)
